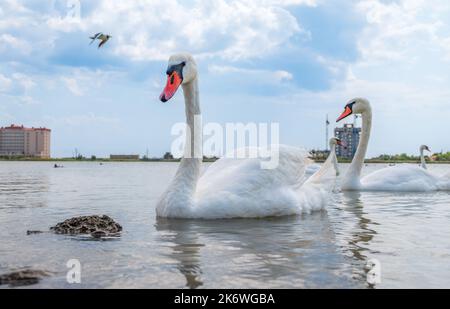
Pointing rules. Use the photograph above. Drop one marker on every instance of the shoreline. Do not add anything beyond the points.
(209, 160)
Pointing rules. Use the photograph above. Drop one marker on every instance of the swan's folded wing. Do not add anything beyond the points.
(240, 188)
(245, 176)
(404, 177)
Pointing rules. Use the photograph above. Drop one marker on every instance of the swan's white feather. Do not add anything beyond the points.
(444, 182)
(403, 177)
(232, 188)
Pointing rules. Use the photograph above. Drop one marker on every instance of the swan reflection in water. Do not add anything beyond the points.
(185, 248)
(360, 233)
(295, 251)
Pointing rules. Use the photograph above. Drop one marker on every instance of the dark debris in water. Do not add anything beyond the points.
(23, 277)
(96, 226)
(34, 232)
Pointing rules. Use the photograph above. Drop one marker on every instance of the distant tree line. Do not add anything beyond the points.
(397, 157)
(405, 157)
(441, 156)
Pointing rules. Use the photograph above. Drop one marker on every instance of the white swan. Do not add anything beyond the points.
(443, 181)
(232, 188)
(314, 168)
(403, 177)
(423, 163)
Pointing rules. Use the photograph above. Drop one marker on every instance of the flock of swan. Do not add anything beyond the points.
(240, 188)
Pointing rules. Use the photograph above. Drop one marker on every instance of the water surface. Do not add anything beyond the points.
(408, 233)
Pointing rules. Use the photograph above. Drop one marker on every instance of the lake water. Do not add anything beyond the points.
(407, 233)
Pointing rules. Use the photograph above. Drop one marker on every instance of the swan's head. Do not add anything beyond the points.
(425, 147)
(355, 106)
(336, 141)
(181, 69)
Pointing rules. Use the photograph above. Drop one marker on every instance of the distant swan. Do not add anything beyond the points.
(423, 163)
(403, 177)
(313, 168)
(232, 188)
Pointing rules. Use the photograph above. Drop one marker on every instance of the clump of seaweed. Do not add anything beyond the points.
(96, 226)
(23, 277)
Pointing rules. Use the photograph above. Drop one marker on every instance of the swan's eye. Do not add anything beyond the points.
(350, 105)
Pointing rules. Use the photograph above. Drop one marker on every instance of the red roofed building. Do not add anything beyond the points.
(21, 141)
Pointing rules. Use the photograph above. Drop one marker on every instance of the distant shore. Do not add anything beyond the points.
(104, 160)
(377, 161)
(100, 160)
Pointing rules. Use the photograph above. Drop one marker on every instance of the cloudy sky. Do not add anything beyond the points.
(286, 61)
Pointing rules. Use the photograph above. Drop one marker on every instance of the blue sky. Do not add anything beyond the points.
(287, 61)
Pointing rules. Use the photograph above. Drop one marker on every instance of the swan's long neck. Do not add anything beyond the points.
(353, 175)
(331, 161)
(422, 159)
(179, 197)
(334, 158)
(193, 146)
(189, 169)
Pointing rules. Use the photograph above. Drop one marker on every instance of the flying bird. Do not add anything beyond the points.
(100, 36)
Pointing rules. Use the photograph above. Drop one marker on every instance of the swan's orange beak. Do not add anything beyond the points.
(347, 112)
(173, 82)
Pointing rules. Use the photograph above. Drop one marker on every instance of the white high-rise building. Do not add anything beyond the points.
(27, 142)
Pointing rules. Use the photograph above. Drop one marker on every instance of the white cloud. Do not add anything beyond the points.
(15, 15)
(224, 69)
(5, 83)
(397, 30)
(14, 5)
(25, 81)
(16, 84)
(283, 75)
(80, 81)
(262, 75)
(152, 30)
(287, 2)
(27, 100)
(229, 29)
(12, 44)
(15, 88)
(7, 118)
(89, 119)
(402, 56)
(72, 85)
